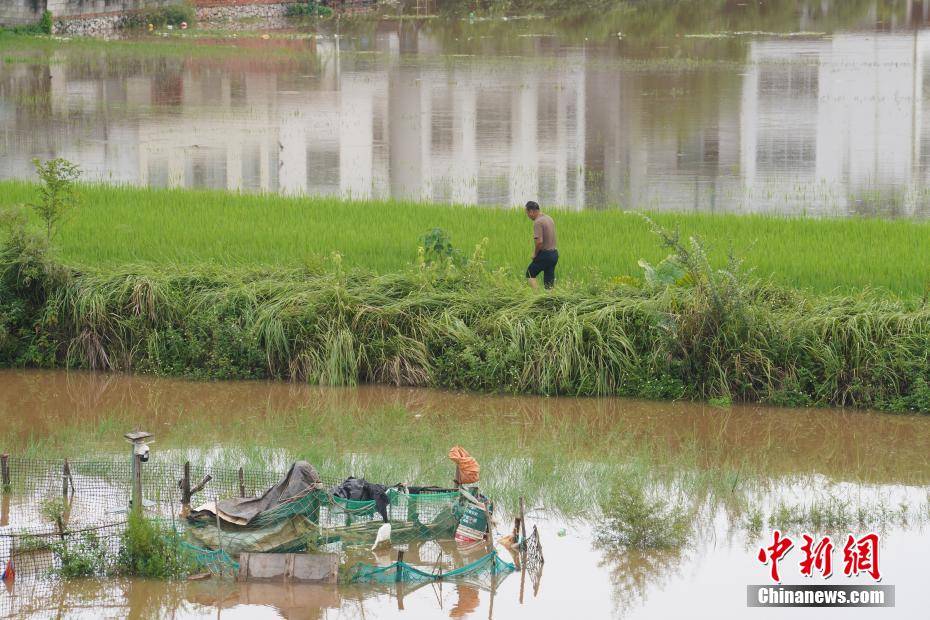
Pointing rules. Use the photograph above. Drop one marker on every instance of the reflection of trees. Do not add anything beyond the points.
(633, 573)
(645, 22)
(886, 202)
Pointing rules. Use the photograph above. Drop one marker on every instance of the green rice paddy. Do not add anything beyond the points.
(119, 225)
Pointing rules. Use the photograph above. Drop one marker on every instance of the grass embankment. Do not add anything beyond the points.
(706, 333)
(120, 225)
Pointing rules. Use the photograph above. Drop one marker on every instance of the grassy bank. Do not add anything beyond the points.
(705, 333)
(119, 225)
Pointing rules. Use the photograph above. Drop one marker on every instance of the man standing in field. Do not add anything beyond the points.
(545, 254)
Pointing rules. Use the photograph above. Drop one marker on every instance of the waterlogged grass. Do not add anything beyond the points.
(639, 493)
(22, 48)
(119, 225)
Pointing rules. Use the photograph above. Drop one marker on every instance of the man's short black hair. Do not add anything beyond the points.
(532, 206)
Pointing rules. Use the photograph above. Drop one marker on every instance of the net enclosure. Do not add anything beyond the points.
(213, 514)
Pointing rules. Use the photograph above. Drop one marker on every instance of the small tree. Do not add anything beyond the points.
(58, 192)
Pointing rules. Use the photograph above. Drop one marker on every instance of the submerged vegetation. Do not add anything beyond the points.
(636, 519)
(146, 548)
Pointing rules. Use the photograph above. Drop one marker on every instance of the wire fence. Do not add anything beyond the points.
(47, 506)
(48, 502)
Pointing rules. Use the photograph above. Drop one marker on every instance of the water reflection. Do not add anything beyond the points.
(709, 572)
(820, 124)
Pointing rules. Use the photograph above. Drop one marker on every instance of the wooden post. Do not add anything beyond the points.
(185, 485)
(136, 483)
(5, 510)
(516, 528)
(493, 592)
(201, 484)
(65, 476)
(522, 523)
(241, 483)
(219, 529)
(400, 582)
(487, 517)
(5, 472)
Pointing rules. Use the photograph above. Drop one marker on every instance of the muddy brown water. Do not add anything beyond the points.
(847, 444)
(820, 110)
(861, 455)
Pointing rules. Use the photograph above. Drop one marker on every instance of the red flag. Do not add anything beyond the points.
(9, 573)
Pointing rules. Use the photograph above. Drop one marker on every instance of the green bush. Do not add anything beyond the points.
(159, 17)
(308, 9)
(27, 276)
(57, 192)
(45, 24)
(634, 520)
(83, 557)
(149, 549)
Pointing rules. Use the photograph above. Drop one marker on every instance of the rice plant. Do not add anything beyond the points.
(120, 225)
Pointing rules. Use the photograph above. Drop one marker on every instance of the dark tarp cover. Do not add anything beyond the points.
(359, 489)
(301, 479)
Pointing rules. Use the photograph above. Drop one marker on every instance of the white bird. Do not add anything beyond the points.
(383, 536)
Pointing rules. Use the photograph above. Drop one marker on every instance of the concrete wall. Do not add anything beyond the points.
(19, 12)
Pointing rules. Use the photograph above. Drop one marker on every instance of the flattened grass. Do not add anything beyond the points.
(118, 225)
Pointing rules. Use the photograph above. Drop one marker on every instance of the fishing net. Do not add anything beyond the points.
(214, 561)
(317, 520)
(479, 572)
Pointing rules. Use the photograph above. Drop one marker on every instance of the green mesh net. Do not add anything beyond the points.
(215, 561)
(488, 566)
(319, 521)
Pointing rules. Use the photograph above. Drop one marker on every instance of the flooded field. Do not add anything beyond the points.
(735, 472)
(813, 114)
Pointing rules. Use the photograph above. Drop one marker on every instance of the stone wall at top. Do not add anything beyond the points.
(19, 12)
(81, 8)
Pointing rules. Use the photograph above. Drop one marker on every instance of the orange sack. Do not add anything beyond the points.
(467, 468)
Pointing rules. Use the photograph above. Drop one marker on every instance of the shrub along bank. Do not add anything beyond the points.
(687, 330)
